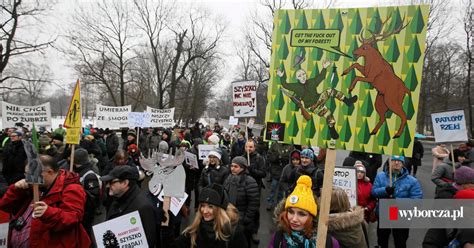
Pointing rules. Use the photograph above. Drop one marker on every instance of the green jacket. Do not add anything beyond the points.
(307, 92)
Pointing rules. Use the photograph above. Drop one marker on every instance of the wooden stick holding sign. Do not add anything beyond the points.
(71, 163)
(452, 159)
(247, 138)
(326, 194)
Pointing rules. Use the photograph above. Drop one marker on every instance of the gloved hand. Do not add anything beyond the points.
(390, 190)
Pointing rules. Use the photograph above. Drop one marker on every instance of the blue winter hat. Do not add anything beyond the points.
(398, 158)
(307, 153)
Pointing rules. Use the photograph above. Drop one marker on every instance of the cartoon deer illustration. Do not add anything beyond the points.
(378, 72)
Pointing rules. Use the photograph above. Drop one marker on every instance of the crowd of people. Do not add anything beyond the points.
(225, 190)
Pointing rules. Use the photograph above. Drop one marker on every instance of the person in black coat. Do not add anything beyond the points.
(127, 198)
(204, 232)
(214, 172)
(244, 194)
(14, 159)
(238, 147)
(308, 168)
(415, 160)
(111, 143)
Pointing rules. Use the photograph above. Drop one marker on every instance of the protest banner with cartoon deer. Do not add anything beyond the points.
(379, 73)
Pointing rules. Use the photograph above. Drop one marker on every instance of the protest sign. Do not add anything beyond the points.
(3, 235)
(314, 89)
(233, 121)
(139, 119)
(161, 117)
(204, 150)
(275, 131)
(123, 231)
(244, 95)
(346, 179)
(251, 123)
(112, 117)
(73, 135)
(449, 126)
(38, 114)
(191, 160)
(176, 202)
(74, 112)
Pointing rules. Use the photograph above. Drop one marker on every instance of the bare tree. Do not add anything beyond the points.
(468, 28)
(196, 37)
(15, 15)
(103, 41)
(153, 20)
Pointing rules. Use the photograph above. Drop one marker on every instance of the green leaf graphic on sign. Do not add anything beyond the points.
(299, 53)
(405, 139)
(325, 133)
(383, 136)
(367, 107)
(414, 52)
(279, 102)
(309, 129)
(395, 20)
(417, 23)
(277, 118)
(348, 79)
(319, 23)
(411, 81)
(283, 49)
(293, 128)
(356, 23)
(354, 45)
(301, 23)
(392, 53)
(314, 71)
(348, 110)
(345, 134)
(285, 25)
(364, 133)
(375, 25)
(337, 23)
(331, 104)
(316, 53)
(408, 107)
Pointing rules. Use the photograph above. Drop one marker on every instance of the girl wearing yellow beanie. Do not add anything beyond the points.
(296, 219)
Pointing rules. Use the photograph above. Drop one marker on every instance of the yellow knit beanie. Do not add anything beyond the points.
(302, 197)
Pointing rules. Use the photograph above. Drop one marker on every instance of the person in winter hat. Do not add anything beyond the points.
(214, 140)
(364, 187)
(464, 178)
(443, 175)
(287, 178)
(404, 186)
(214, 172)
(244, 194)
(296, 219)
(308, 168)
(216, 223)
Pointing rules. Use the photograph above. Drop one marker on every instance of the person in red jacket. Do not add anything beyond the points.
(54, 220)
(464, 178)
(364, 187)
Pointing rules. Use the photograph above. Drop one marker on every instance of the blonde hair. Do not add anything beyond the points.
(224, 221)
(339, 201)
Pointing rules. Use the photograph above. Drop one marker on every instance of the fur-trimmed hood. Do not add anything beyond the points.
(341, 221)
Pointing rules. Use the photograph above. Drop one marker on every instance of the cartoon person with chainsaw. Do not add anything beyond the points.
(305, 93)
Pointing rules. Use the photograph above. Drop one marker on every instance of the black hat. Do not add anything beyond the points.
(214, 194)
(58, 137)
(121, 172)
(81, 156)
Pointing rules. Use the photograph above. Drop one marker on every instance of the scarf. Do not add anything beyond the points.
(207, 228)
(298, 240)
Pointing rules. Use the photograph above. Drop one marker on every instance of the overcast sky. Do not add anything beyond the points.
(235, 12)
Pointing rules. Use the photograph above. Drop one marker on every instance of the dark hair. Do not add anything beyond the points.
(49, 161)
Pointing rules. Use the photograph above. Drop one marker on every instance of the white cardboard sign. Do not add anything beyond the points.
(346, 179)
(123, 231)
(112, 117)
(244, 95)
(204, 150)
(38, 114)
(449, 126)
(233, 121)
(191, 160)
(139, 119)
(161, 117)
